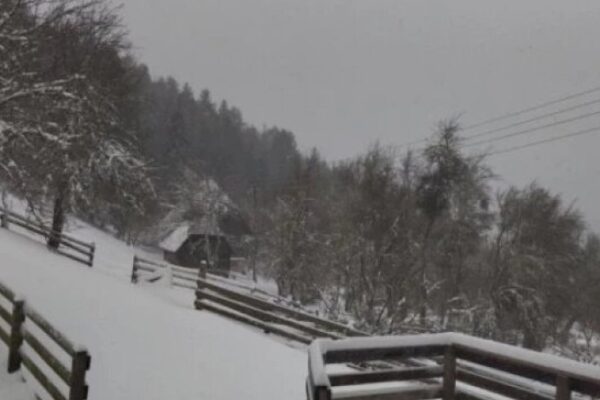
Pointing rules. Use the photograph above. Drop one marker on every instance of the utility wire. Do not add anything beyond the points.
(595, 130)
(521, 112)
(534, 119)
(525, 131)
(534, 108)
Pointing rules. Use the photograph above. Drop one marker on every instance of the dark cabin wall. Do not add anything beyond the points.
(192, 252)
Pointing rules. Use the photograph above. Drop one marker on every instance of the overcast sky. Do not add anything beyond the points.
(342, 74)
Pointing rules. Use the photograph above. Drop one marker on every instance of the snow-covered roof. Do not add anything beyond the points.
(204, 226)
(175, 239)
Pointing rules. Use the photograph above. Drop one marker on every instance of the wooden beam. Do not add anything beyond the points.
(48, 357)
(51, 331)
(405, 374)
(267, 328)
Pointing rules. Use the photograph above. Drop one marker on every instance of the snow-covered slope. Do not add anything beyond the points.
(11, 386)
(147, 342)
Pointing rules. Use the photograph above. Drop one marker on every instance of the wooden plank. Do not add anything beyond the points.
(49, 330)
(504, 363)
(145, 261)
(359, 355)
(6, 292)
(268, 328)
(185, 278)
(145, 268)
(421, 392)
(277, 308)
(47, 230)
(5, 314)
(5, 337)
(266, 316)
(42, 379)
(498, 386)
(75, 248)
(48, 357)
(405, 374)
(72, 257)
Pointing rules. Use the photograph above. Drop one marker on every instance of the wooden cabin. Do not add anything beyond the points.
(207, 240)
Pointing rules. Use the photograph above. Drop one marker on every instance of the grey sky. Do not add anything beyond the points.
(343, 73)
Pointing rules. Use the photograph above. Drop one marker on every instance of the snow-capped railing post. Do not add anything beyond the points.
(3, 220)
(134, 270)
(16, 335)
(92, 254)
(79, 367)
(449, 380)
(199, 287)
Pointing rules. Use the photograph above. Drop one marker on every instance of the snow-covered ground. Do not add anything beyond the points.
(12, 386)
(146, 341)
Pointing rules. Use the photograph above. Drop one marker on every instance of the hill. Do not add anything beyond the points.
(147, 342)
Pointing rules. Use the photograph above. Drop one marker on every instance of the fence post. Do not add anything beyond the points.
(199, 287)
(563, 388)
(79, 366)
(92, 253)
(3, 220)
(449, 384)
(16, 336)
(134, 270)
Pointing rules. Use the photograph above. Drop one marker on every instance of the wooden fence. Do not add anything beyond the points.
(245, 304)
(20, 319)
(231, 301)
(467, 368)
(69, 246)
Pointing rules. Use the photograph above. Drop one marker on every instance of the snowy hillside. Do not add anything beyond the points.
(11, 386)
(147, 342)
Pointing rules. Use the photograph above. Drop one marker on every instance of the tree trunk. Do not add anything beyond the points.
(58, 222)
(423, 274)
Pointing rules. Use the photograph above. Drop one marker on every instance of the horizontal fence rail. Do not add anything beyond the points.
(468, 368)
(28, 327)
(232, 302)
(78, 250)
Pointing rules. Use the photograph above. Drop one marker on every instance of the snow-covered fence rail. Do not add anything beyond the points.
(469, 369)
(43, 350)
(150, 271)
(78, 250)
(284, 321)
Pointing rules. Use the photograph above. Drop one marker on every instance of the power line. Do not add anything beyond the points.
(525, 131)
(595, 130)
(534, 119)
(521, 112)
(534, 108)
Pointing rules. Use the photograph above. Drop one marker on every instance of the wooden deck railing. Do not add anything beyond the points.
(42, 357)
(447, 365)
(72, 248)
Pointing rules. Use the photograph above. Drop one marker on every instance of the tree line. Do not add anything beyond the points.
(379, 240)
(423, 239)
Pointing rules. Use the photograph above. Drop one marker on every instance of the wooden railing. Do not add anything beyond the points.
(72, 248)
(270, 317)
(28, 327)
(447, 365)
(211, 295)
(245, 304)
